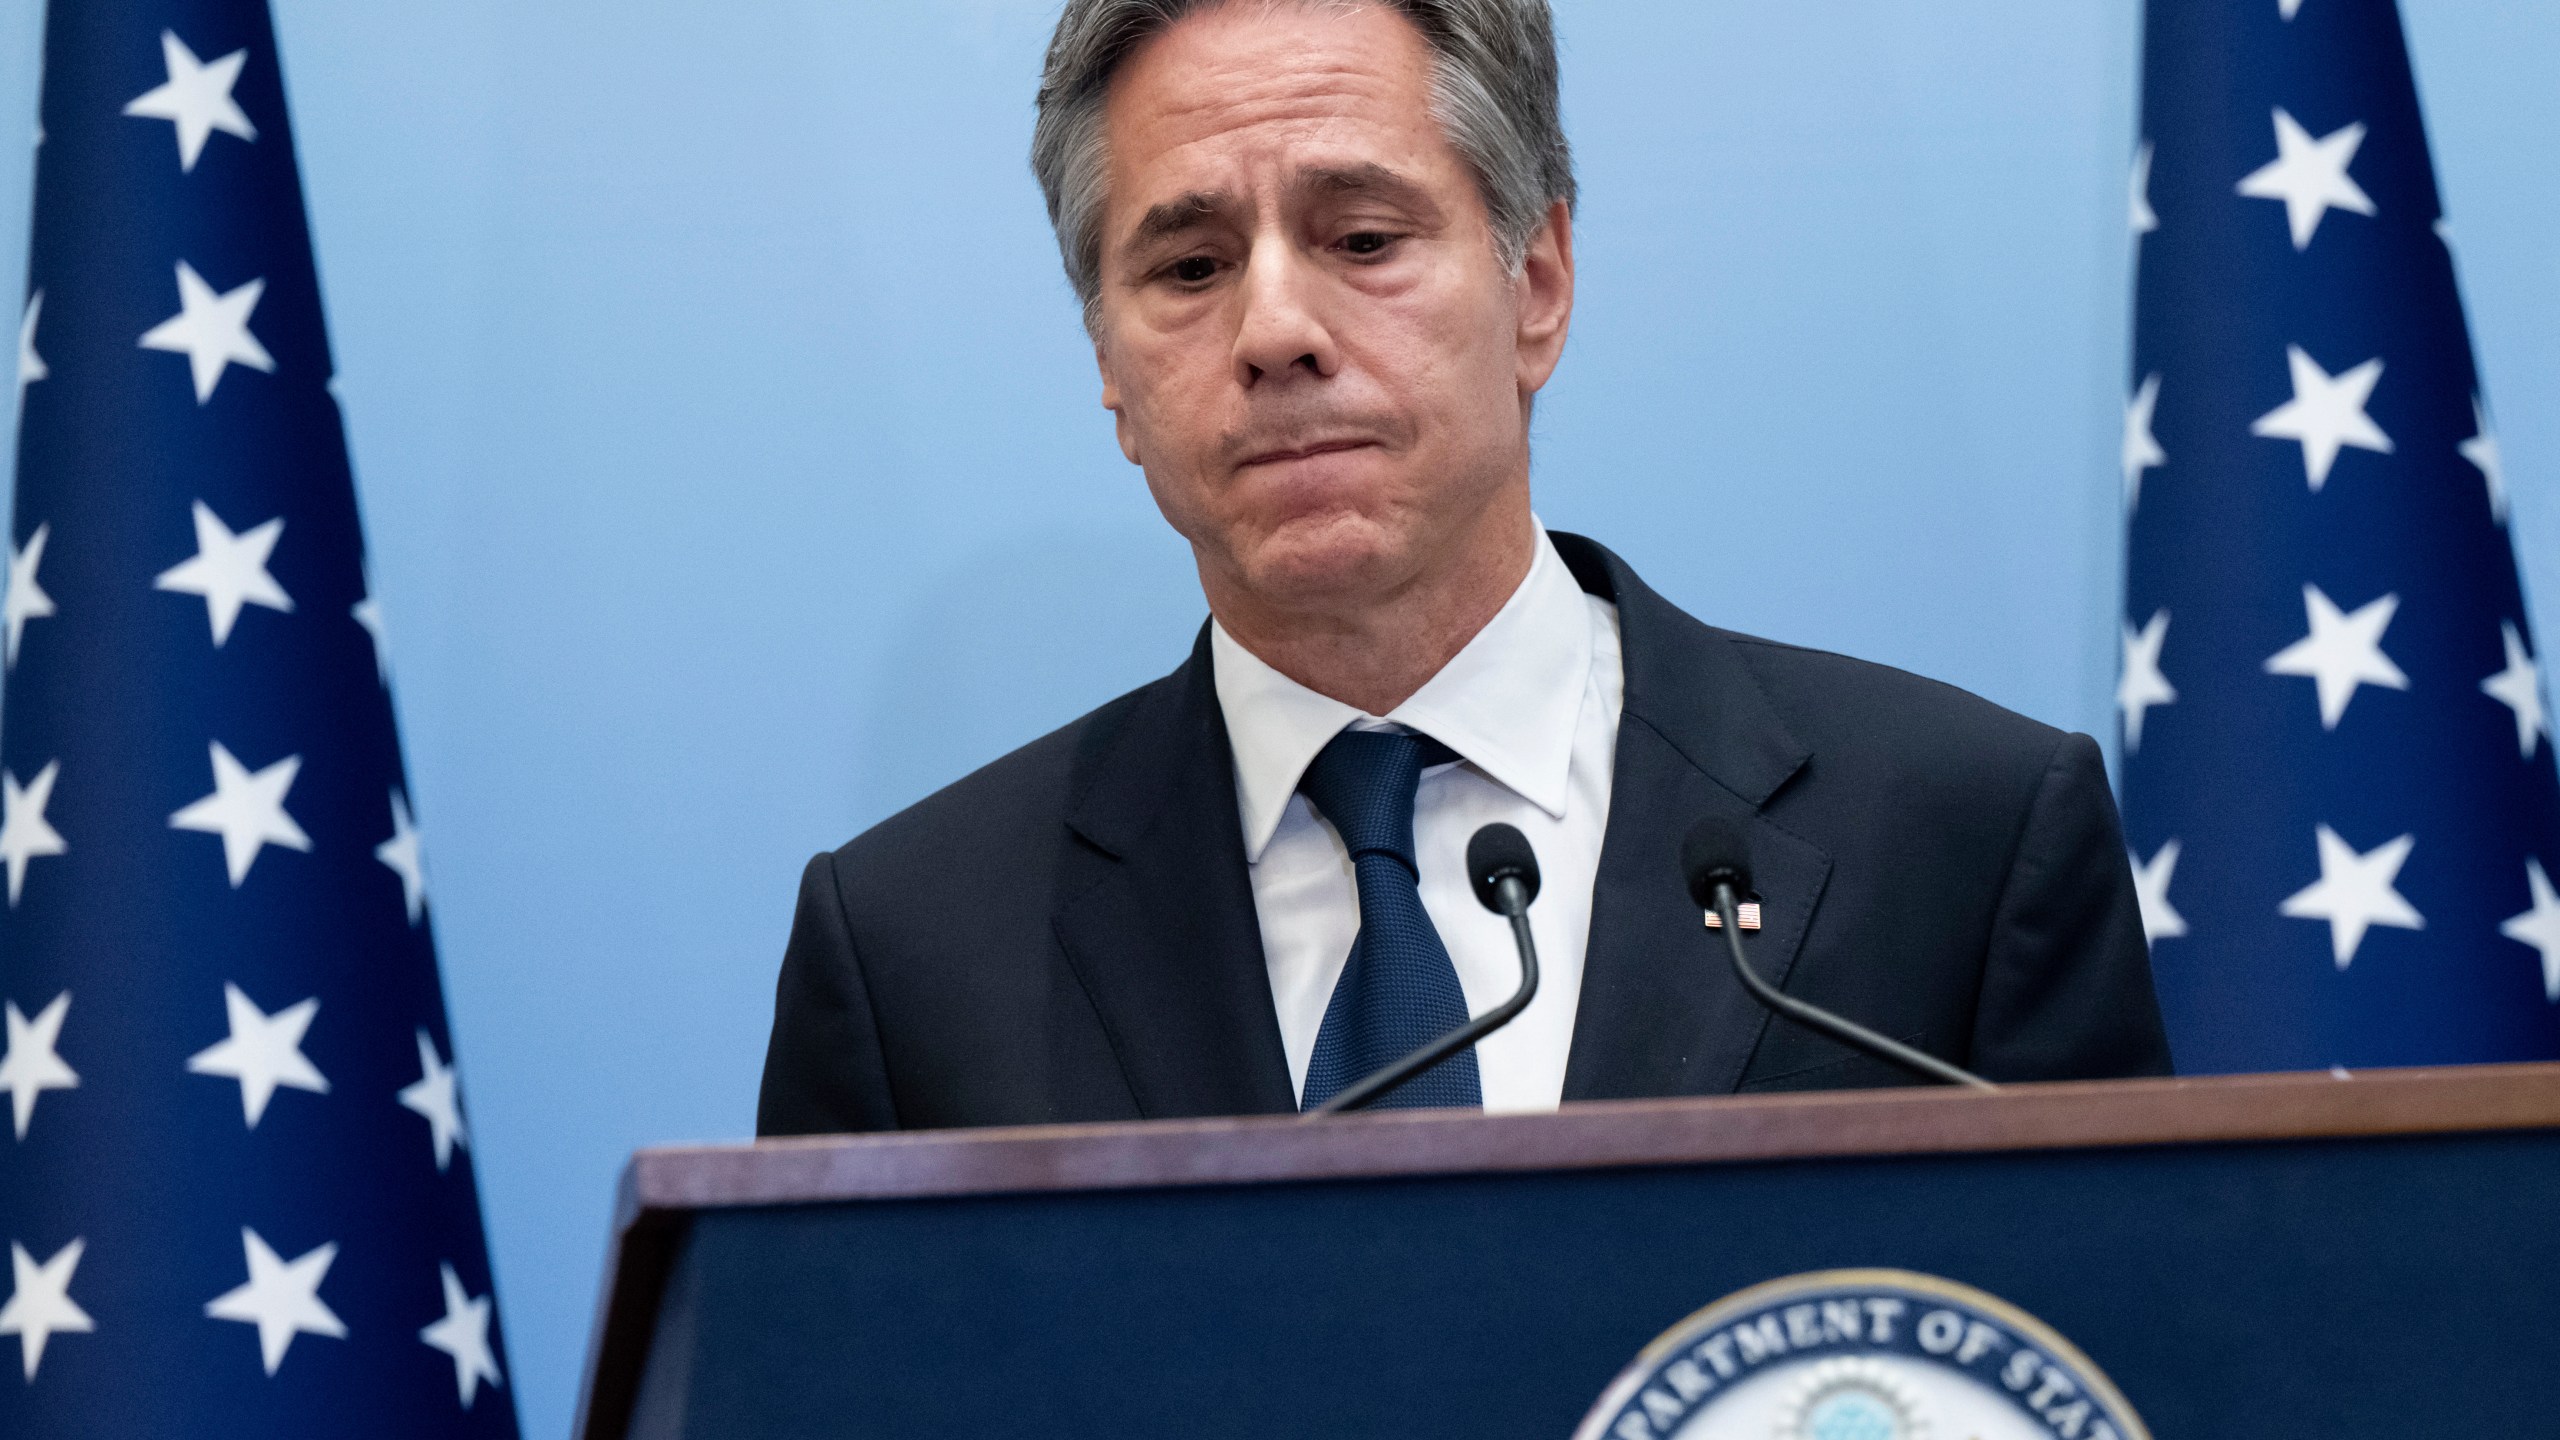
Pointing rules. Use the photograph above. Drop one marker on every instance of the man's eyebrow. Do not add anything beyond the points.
(1366, 179)
(1177, 215)
(1184, 213)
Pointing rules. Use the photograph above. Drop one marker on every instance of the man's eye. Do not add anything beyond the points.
(1193, 269)
(1367, 242)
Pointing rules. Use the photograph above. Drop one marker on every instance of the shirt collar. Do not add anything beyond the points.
(1508, 703)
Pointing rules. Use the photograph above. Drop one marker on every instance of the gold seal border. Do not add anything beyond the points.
(1688, 1330)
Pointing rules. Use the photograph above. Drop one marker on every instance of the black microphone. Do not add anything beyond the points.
(1504, 871)
(1715, 858)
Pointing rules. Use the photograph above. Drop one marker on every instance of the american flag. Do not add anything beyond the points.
(2338, 777)
(238, 1193)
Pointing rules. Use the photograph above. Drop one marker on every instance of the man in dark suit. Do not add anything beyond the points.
(1326, 258)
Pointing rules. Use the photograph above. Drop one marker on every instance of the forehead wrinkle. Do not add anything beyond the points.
(1239, 88)
(1220, 99)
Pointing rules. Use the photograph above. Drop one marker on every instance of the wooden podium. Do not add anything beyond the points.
(2280, 1256)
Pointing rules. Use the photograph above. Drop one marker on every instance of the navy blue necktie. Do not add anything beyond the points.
(1398, 992)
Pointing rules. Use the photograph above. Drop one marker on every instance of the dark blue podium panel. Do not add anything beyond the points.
(2383, 1287)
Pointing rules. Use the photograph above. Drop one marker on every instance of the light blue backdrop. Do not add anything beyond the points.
(734, 472)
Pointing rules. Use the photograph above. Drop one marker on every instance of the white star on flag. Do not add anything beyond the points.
(463, 1333)
(282, 1298)
(434, 1095)
(24, 832)
(2325, 414)
(2342, 652)
(368, 613)
(263, 1052)
(229, 570)
(246, 810)
(2354, 893)
(40, 1304)
(2139, 211)
(2141, 450)
(2482, 451)
(196, 98)
(211, 330)
(2519, 688)
(26, 599)
(2539, 927)
(31, 366)
(2309, 176)
(32, 1065)
(2143, 686)
(2160, 919)
(403, 854)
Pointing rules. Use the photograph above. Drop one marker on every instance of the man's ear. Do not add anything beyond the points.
(1545, 292)
(1111, 401)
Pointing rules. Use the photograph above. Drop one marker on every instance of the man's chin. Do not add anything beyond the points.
(1321, 561)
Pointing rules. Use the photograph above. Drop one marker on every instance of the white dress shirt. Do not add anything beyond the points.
(1531, 705)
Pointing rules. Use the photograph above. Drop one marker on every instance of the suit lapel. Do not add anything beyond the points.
(1661, 1013)
(1156, 912)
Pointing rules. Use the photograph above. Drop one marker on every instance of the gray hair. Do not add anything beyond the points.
(1493, 90)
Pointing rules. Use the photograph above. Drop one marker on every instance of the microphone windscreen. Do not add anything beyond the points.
(1716, 851)
(1497, 853)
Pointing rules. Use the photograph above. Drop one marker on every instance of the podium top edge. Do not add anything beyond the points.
(1588, 1135)
(661, 1187)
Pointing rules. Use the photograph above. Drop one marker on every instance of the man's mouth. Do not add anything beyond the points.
(1305, 451)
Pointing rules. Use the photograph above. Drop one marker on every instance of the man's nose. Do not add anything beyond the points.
(1279, 332)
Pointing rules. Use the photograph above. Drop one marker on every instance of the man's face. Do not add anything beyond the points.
(1306, 335)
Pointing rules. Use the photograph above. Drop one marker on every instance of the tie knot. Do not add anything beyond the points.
(1363, 781)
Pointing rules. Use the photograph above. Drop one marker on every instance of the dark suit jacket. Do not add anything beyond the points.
(1069, 934)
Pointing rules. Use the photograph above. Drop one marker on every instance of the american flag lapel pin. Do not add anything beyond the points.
(1748, 912)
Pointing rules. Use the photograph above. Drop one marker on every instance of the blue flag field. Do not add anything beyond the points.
(238, 1194)
(2338, 779)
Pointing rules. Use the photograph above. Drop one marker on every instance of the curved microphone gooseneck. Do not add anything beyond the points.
(1716, 861)
(1504, 871)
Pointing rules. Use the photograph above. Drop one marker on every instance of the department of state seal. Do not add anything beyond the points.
(1861, 1355)
(1853, 1399)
